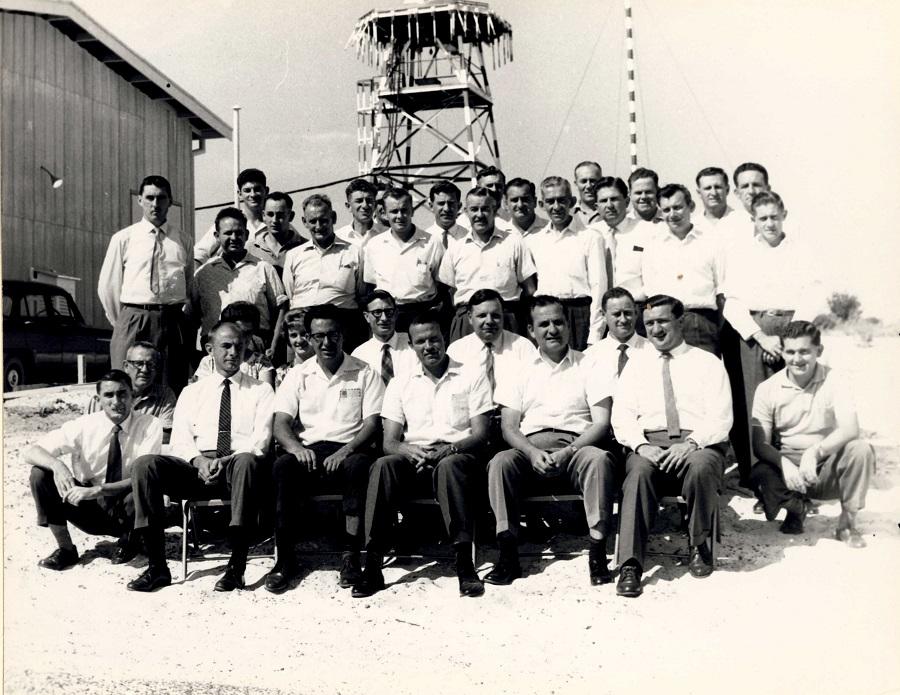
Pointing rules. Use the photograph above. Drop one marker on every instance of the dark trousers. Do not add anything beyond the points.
(293, 482)
(844, 475)
(166, 328)
(578, 314)
(454, 482)
(701, 329)
(699, 482)
(108, 516)
(460, 326)
(590, 472)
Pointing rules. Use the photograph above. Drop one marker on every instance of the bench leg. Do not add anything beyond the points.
(185, 513)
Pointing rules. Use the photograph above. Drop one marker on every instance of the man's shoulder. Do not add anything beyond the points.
(355, 364)
(519, 343)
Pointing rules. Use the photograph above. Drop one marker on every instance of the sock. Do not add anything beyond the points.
(597, 549)
(284, 542)
(351, 543)
(155, 547)
(509, 545)
(239, 548)
(374, 561)
(463, 556)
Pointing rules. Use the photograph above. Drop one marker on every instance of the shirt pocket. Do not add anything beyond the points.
(459, 411)
(350, 404)
(341, 275)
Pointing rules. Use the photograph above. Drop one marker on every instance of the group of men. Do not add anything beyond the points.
(599, 349)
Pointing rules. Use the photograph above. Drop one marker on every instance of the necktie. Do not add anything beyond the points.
(387, 364)
(672, 424)
(154, 263)
(489, 366)
(114, 457)
(223, 441)
(444, 238)
(623, 358)
(611, 244)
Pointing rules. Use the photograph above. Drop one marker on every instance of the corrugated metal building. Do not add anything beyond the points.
(77, 102)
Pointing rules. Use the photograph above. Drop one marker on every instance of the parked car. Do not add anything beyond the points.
(43, 334)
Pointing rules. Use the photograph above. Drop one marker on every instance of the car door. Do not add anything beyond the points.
(42, 335)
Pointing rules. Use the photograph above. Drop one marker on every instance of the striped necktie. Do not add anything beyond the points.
(223, 441)
(154, 262)
(387, 364)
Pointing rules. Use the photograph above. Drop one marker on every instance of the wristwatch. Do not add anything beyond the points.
(453, 449)
(694, 442)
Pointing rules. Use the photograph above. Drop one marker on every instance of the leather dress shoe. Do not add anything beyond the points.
(231, 580)
(151, 579)
(700, 564)
(504, 572)
(280, 577)
(599, 570)
(125, 552)
(351, 571)
(60, 559)
(792, 524)
(850, 536)
(371, 583)
(758, 508)
(629, 584)
(469, 582)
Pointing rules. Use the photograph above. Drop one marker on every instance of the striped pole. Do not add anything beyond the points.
(629, 68)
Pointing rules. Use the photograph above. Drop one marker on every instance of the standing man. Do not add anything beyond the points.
(222, 430)
(521, 201)
(405, 261)
(280, 235)
(387, 352)
(444, 199)
(673, 413)
(554, 414)
(587, 175)
(435, 424)
(144, 283)
(361, 202)
(569, 260)
(622, 341)
(336, 398)
(493, 180)
(712, 188)
(94, 493)
(806, 436)
(486, 258)
(643, 185)
(326, 270)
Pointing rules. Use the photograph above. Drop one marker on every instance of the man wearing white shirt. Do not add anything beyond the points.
(221, 431)
(643, 185)
(387, 352)
(252, 190)
(280, 236)
(554, 414)
(712, 189)
(362, 204)
(435, 423)
(521, 201)
(586, 176)
(622, 341)
(94, 491)
(445, 200)
(673, 412)
(336, 398)
(570, 263)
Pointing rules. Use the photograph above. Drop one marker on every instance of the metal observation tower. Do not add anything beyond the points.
(428, 114)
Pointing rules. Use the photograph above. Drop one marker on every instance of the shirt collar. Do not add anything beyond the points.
(676, 351)
(632, 342)
(453, 369)
(150, 227)
(817, 378)
(567, 360)
(495, 234)
(125, 424)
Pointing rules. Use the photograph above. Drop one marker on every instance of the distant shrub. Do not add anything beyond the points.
(825, 322)
(844, 306)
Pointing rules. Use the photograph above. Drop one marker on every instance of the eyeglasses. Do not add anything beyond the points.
(378, 313)
(149, 365)
(333, 336)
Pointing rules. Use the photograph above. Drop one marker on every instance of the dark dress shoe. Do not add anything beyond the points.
(60, 559)
(125, 552)
(758, 508)
(504, 572)
(151, 579)
(351, 571)
(599, 570)
(278, 580)
(469, 582)
(231, 580)
(629, 584)
(792, 524)
(371, 583)
(850, 536)
(700, 564)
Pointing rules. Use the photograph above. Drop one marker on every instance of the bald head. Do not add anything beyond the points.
(226, 345)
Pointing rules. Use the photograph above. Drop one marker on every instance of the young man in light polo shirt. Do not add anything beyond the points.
(587, 174)
(521, 201)
(712, 189)
(280, 235)
(486, 257)
(445, 200)
(435, 424)
(387, 352)
(554, 414)
(337, 400)
(806, 437)
(362, 204)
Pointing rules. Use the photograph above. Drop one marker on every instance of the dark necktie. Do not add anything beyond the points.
(154, 263)
(623, 358)
(672, 423)
(223, 441)
(114, 457)
(387, 364)
(489, 366)
(611, 256)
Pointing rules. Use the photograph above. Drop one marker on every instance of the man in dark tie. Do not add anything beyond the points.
(221, 430)
(387, 351)
(622, 340)
(672, 413)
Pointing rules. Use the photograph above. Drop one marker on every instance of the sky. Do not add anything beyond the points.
(806, 87)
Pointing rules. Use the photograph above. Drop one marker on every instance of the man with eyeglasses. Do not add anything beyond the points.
(149, 395)
(337, 400)
(387, 352)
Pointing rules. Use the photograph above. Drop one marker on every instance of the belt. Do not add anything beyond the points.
(552, 430)
(154, 307)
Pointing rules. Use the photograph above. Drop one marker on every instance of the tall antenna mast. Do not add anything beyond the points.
(629, 69)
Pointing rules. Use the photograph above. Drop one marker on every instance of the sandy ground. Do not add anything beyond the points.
(781, 614)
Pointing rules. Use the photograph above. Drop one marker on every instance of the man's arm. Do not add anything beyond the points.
(285, 435)
(109, 282)
(206, 247)
(262, 423)
(599, 283)
(510, 421)
(395, 446)
(36, 455)
(360, 441)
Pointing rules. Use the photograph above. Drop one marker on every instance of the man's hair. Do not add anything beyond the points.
(802, 329)
(293, 318)
(156, 180)
(642, 173)
(615, 293)
(670, 189)
(219, 325)
(241, 311)
(397, 193)
(556, 181)
(251, 176)
(359, 185)
(383, 295)
(712, 171)
(490, 171)
(484, 295)
(766, 198)
(613, 182)
(750, 166)
(541, 300)
(145, 345)
(658, 300)
(116, 375)
(322, 312)
(319, 200)
(425, 318)
(480, 192)
(587, 163)
(232, 214)
(519, 182)
(447, 188)
(279, 197)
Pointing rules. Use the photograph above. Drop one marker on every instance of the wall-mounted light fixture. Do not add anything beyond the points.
(55, 181)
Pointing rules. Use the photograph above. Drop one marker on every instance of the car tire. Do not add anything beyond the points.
(13, 374)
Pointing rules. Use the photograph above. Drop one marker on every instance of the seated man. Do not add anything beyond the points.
(142, 362)
(387, 352)
(221, 431)
(337, 399)
(94, 493)
(553, 414)
(673, 412)
(622, 341)
(435, 422)
(806, 437)
(255, 363)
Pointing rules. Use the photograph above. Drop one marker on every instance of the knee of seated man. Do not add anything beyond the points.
(704, 462)
(502, 462)
(39, 475)
(143, 465)
(861, 451)
(245, 462)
